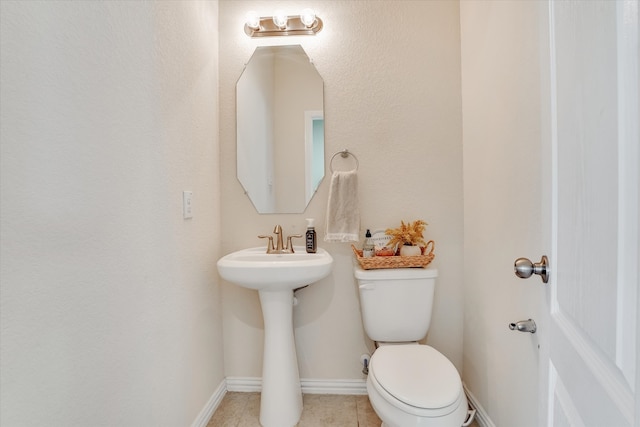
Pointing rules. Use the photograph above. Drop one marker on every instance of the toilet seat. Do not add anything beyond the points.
(416, 379)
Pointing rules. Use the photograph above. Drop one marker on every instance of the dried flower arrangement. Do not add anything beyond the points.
(409, 234)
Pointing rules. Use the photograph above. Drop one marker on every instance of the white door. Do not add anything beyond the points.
(590, 371)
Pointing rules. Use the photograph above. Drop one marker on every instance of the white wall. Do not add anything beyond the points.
(109, 302)
(502, 49)
(392, 96)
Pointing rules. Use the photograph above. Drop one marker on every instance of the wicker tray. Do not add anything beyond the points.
(395, 261)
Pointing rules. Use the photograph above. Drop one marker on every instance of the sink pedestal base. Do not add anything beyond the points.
(281, 398)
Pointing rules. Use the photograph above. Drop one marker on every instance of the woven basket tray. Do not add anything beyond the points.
(396, 261)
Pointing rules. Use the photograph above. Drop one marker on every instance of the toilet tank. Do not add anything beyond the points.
(396, 303)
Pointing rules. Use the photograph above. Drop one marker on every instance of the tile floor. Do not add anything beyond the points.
(320, 410)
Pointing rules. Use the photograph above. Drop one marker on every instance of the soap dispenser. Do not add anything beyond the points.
(368, 249)
(312, 243)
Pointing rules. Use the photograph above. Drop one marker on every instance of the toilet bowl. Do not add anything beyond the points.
(415, 385)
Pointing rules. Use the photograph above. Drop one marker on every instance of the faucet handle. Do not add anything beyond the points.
(269, 243)
(290, 243)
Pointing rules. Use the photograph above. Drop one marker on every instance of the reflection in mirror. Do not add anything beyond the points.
(280, 129)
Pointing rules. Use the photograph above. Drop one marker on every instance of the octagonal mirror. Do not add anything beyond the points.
(280, 129)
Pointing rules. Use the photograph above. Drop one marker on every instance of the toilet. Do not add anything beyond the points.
(409, 384)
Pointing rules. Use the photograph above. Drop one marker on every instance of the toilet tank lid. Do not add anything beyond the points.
(417, 375)
(395, 273)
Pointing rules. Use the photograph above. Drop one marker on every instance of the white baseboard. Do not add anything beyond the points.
(481, 415)
(315, 386)
(210, 407)
(309, 385)
(244, 384)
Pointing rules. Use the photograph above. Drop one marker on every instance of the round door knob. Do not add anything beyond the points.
(524, 268)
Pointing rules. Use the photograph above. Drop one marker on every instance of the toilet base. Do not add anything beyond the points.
(392, 416)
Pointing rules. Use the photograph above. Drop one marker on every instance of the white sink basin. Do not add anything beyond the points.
(255, 269)
(275, 276)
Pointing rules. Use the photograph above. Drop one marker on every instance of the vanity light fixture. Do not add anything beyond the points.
(305, 24)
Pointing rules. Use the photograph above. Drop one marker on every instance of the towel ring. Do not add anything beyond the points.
(344, 153)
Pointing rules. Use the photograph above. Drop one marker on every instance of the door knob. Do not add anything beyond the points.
(525, 268)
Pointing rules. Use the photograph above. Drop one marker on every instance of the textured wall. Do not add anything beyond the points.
(109, 302)
(392, 96)
(502, 46)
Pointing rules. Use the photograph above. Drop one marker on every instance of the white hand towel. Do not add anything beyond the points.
(343, 214)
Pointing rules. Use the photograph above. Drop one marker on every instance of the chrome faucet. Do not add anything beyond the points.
(279, 248)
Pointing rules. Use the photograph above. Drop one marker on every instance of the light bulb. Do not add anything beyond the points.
(308, 17)
(280, 19)
(253, 20)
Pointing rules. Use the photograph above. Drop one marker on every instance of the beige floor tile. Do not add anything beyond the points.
(320, 410)
(251, 413)
(328, 410)
(367, 417)
(230, 410)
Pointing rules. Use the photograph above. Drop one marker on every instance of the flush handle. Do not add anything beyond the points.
(525, 268)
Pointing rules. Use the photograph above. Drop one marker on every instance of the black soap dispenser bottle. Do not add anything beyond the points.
(312, 243)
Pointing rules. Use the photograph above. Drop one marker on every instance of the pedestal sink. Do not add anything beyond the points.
(275, 276)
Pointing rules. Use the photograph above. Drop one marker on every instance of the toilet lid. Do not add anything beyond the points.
(417, 375)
